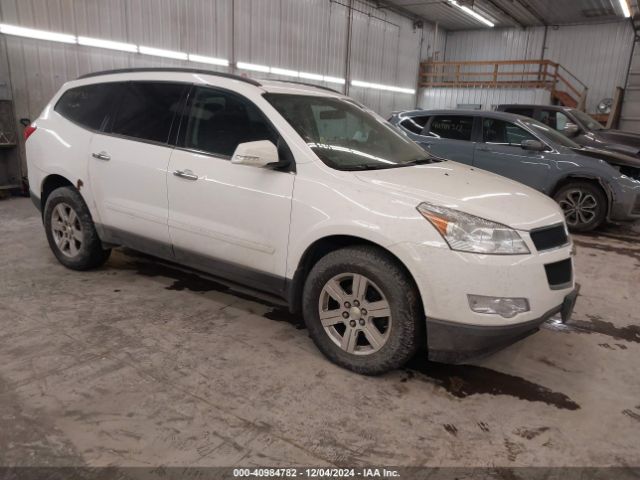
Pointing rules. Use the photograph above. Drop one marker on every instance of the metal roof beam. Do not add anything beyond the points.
(389, 5)
(505, 12)
(532, 11)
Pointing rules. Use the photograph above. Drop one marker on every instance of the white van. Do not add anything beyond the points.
(303, 193)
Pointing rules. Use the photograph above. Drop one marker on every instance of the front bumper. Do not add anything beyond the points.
(453, 342)
(445, 278)
(625, 200)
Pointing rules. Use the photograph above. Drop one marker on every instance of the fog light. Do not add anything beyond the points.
(505, 307)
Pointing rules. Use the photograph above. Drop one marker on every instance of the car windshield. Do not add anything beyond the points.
(344, 135)
(586, 120)
(550, 134)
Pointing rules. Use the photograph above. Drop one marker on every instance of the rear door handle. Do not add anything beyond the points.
(483, 149)
(187, 174)
(102, 156)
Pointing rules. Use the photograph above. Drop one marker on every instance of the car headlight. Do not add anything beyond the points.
(468, 233)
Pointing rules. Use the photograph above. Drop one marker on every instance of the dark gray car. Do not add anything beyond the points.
(580, 127)
(591, 185)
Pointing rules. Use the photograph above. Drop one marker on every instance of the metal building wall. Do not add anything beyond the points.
(487, 98)
(494, 44)
(598, 54)
(304, 35)
(630, 113)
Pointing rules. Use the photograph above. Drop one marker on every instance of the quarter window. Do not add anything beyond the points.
(414, 124)
(556, 120)
(147, 110)
(219, 121)
(501, 132)
(89, 105)
(456, 127)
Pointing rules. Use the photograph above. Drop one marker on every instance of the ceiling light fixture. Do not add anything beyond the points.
(253, 67)
(38, 34)
(378, 86)
(96, 42)
(475, 14)
(157, 52)
(312, 76)
(210, 60)
(625, 8)
(284, 72)
(334, 80)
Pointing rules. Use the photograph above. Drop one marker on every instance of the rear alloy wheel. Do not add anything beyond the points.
(363, 310)
(71, 232)
(66, 230)
(584, 205)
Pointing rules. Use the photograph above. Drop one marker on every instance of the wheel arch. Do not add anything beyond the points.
(49, 184)
(593, 179)
(322, 246)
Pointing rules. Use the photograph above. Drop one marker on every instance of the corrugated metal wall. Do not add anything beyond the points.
(630, 113)
(487, 98)
(598, 54)
(494, 44)
(304, 35)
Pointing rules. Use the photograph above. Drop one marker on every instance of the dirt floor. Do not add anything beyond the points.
(140, 364)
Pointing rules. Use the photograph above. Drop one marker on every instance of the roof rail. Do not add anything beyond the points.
(310, 85)
(184, 70)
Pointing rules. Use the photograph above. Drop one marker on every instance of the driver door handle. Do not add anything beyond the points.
(187, 174)
(102, 156)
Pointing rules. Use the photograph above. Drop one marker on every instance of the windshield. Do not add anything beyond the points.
(551, 134)
(586, 120)
(344, 135)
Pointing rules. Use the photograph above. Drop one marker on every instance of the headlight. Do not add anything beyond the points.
(468, 233)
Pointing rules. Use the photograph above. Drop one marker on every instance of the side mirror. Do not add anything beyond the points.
(570, 129)
(533, 145)
(261, 153)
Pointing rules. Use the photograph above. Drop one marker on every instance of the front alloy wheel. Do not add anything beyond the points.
(579, 207)
(355, 314)
(363, 309)
(584, 205)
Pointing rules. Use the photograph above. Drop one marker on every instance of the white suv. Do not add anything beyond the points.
(303, 193)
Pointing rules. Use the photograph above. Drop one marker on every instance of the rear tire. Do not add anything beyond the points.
(71, 232)
(584, 205)
(372, 319)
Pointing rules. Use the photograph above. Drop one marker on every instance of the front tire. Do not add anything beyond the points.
(584, 205)
(362, 310)
(70, 231)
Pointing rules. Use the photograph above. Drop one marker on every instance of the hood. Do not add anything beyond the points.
(470, 190)
(609, 156)
(618, 140)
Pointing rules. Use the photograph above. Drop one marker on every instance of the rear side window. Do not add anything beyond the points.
(454, 127)
(218, 121)
(147, 110)
(501, 132)
(415, 124)
(89, 105)
(526, 112)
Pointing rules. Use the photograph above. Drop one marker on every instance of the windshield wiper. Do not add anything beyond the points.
(420, 161)
(352, 168)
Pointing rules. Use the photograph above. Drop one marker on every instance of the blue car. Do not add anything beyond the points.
(591, 185)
